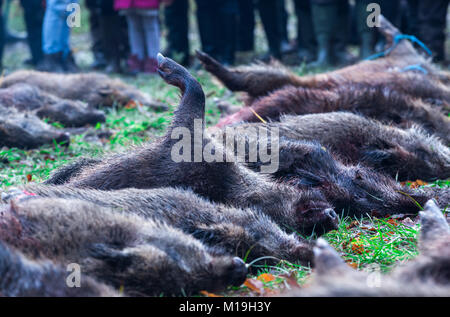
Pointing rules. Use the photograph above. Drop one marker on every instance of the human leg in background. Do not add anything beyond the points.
(286, 46)
(366, 34)
(246, 26)
(97, 48)
(151, 28)
(34, 17)
(269, 13)
(432, 24)
(2, 37)
(136, 35)
(113, 30)
(177, 23)
(325, 22)
(226, 25)
(341, 37)
(207, 15)
(305, 31)
(55, 37)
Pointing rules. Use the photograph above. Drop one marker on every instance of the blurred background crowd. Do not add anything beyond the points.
(126, 34)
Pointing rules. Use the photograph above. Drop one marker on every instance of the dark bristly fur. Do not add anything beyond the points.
(93, 88)
(22, 277)
(403, 154)
(65, 173)
(26, 131)
(151, 166)
(237, 231)
(427, 275)
(378, 101)
(353, 190)
(70, 113)
(123, 250)
(259, 80)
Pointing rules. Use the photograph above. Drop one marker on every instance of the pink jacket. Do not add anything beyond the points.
(138, 4)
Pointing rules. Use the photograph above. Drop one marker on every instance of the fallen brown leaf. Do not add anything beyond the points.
(131, 105)
(207, 294)
(352, 264)
(393, 222)
(255, 285)
(266, 277)
(369, 228)
(357, 246)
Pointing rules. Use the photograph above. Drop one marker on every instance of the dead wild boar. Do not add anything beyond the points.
(152, 166)
(70, 113)
(23, 277)
(145, 257)
(260, 80)
(242, 232)
(26, 131)
(93, 88)
(353, 190)
(403, 154)
(378, 101)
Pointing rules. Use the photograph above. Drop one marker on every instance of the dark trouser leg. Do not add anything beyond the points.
(34, 17)
(305, 30)
(206, 17)
(226, 26)
(110, 29)
(2, 35)
(246, 26)
(324, 16)
(390, 9)
(269, 13)
(432, 23)
(97, 47)
(366, 34)
(283, 14)
(412, 25)
(342, 57)
(176, 17)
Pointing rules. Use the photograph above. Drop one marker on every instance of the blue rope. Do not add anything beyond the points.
(397, 40)
(415, 67)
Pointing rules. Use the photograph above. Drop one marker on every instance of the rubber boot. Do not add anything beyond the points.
(110, 29)
(69, 64)
(52, 63)
(341, 56)
(135, 65)
(324, 22)
(150, 65)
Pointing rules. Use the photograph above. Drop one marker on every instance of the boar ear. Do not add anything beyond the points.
(378, 157)
(113, 257)
(433, 223)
